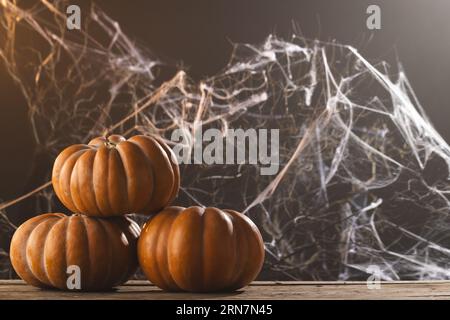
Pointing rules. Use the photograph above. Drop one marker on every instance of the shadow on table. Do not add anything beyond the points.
(158, 293)
(140, 292)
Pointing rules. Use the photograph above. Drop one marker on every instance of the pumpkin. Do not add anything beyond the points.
(114, 176)
(200, 249)
(46, 250)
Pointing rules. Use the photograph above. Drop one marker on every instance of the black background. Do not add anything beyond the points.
(198, 36)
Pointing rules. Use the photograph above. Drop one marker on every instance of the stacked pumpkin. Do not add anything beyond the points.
(194, 249)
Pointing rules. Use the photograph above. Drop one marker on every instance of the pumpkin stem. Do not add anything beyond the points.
(110, 144)
(113, 140)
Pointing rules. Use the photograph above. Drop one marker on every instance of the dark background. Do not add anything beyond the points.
(198, 36)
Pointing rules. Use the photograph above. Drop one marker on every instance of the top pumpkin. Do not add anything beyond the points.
(114, 176)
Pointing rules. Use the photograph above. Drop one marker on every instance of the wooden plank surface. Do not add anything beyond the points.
(17, 289)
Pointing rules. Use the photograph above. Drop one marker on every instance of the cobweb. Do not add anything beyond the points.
(363, 177)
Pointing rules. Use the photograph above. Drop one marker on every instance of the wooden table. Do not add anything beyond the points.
(16, 289)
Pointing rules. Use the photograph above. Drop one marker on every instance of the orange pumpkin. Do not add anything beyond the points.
(46, 249)
(114, 176)
(200, 250)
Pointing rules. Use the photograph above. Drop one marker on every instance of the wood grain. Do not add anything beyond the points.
(17, 289)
